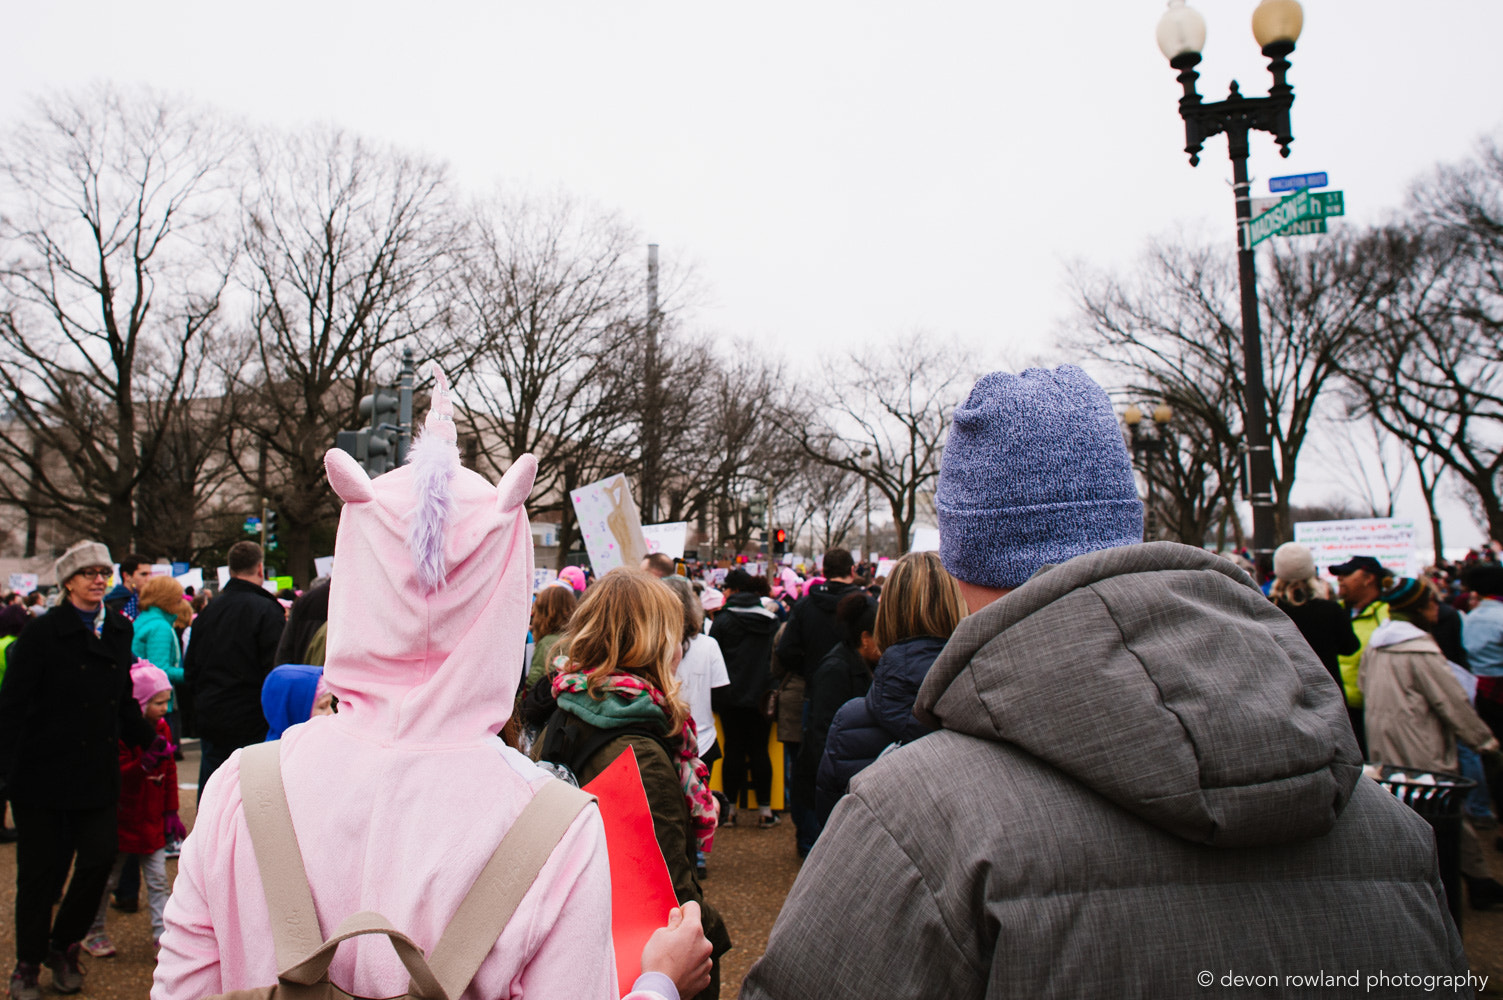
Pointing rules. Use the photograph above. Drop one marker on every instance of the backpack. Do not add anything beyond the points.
(569, 744)
(303, 956)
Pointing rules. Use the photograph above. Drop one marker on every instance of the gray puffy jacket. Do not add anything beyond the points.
(1143, 777)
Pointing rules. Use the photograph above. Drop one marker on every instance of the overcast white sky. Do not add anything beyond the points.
(835, 172)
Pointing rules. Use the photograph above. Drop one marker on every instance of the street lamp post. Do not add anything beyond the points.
(1144, 447)
(866, 486)
(1181, 36)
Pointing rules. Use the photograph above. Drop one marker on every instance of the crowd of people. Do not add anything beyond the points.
(1046, 760)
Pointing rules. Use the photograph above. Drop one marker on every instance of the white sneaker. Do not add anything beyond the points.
(99, 945)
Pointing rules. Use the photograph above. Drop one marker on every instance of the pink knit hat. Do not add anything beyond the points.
(428, 612)
(147, 681)
(574, 577)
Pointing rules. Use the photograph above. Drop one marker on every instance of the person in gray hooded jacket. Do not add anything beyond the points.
(1143, 782)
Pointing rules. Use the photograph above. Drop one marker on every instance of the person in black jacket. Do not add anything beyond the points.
(232, 650)
(1325, 624)
(920, 608)
(65, 705)
(845, 673)
(811, 633)
(745, 630)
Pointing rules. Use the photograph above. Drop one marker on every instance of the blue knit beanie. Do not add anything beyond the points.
(1035, 472)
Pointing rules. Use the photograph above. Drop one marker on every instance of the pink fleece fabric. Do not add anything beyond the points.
(400, 798)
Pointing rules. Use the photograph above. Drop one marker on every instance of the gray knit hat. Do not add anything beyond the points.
(1035, 472)
(81, 556)
(1292, 562)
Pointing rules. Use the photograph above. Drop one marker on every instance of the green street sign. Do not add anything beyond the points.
(1304, 227)
(1297, 215)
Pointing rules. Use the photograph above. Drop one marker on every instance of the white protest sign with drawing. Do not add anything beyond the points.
(23, 583)
(609, 522)
(669, 538)
(1390, 540)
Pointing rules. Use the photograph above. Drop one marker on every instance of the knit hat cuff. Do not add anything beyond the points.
(1003, 547)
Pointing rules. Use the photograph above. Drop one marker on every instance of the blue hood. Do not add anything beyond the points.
(287, 696)
(895, 685)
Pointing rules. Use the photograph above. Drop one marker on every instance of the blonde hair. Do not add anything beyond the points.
(629, 623)
(1293, 592)
(919, 599)
(162, 591)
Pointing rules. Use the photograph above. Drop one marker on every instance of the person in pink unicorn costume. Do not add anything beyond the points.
(400, 798)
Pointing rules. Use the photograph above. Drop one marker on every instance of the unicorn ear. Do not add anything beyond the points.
(347, 477)
(516, 484)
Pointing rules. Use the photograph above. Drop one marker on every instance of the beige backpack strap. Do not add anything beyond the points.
(315, 968)
(505, 879)
(294, 921)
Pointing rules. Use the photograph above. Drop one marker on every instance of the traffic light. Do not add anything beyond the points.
(779, 541)
(380, 451)
(268, 529)
(379, 405)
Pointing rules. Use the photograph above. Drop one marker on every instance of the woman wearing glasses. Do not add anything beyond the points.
(65, 705)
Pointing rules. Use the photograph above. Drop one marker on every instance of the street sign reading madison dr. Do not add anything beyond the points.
(1304, 211)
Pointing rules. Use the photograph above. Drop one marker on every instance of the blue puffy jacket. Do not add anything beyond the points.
(864, 727)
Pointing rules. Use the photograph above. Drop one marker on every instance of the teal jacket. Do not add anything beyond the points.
(156, 640)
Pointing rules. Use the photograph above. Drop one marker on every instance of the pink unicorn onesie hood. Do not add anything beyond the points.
(400, 798)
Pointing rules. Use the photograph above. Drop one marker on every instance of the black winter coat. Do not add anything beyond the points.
(65, 705)
(232, 650)
(1447, 634)
(841, 676)
(811, 631)
(864, 727)
(745, 632)
(1327, 627)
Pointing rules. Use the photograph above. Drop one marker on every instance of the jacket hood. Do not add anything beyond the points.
(1393, 632)
(751, 614)
(1160, 677)
(287, 696)
(826, 596)
(896, 680)
(429, 604)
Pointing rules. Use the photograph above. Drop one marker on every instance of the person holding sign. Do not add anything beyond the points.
(619, 689)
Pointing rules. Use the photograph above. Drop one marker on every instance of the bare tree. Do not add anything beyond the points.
(827, 503)
(1173, 330)
(1372, 460)
(347, 248)
(551, 296)
(888, 413)
(1431, 368)
(111, 277)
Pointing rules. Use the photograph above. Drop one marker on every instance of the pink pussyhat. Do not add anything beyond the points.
(147, 681)
(574, 577)
(428, 613)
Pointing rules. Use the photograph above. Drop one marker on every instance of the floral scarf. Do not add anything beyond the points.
(693, 775)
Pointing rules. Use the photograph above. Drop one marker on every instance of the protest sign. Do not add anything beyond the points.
(641, 888)
(669, 538)
(192, 578)
(541, 577)
(323, 565)
(925, 540)
(1390, 540)
(23, 583)
(608, 519)
(223, 573)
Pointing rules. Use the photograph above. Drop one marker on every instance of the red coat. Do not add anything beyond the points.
(145, 799)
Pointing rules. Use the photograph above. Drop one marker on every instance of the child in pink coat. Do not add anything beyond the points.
(147, 809)
(401, 797)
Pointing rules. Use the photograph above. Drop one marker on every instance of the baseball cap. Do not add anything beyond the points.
(1355, 563)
